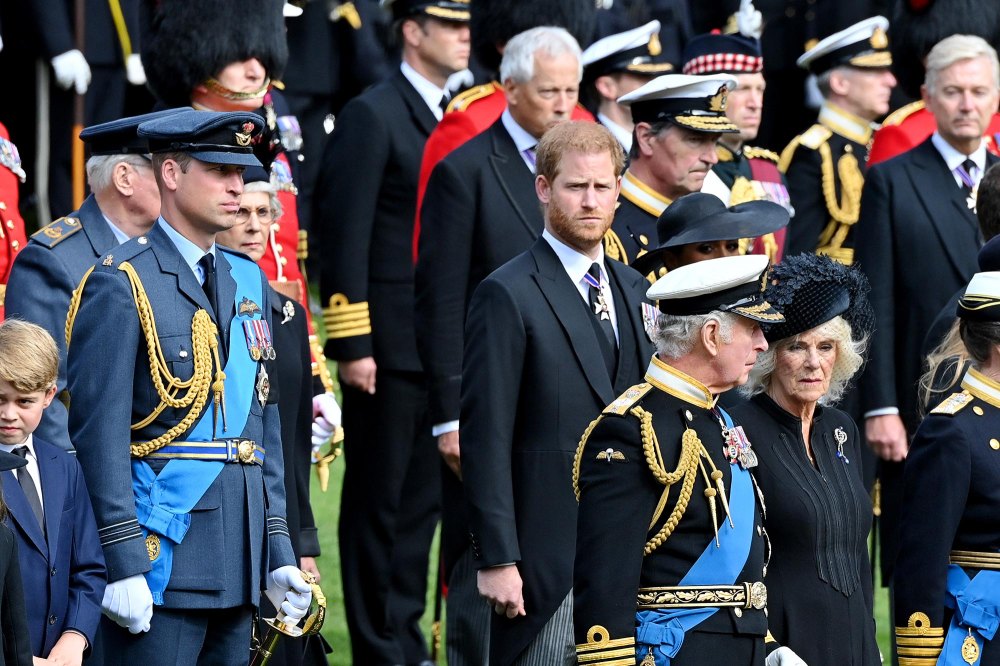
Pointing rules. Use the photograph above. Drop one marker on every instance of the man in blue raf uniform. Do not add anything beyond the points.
(674, 576)
(124, 204)
(167, 341)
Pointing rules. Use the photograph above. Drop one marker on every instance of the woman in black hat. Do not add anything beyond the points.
(947, 576)
(15, 643)
(818, 512)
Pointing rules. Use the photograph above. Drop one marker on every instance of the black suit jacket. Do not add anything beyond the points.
(534, 378)
(366, 203)
(15, 645)
(917, 242)
(479, 211)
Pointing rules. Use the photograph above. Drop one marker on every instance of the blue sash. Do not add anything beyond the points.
(163, 502)
(664, 629)
(976, 606)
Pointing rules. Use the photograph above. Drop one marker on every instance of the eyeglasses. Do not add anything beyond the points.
(263, 214)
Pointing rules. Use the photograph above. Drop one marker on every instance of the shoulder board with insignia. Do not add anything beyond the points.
(902, 113)
(760, 154)
(815, 136)
(723, 153)
(631, 396)
(463, 101)
(58, 231)
(953, 404)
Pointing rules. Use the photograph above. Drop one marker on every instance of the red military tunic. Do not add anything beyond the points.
(909, 126)
(12, 235)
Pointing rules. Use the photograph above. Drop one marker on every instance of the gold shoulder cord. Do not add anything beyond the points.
(613, 247)
(844, 213)
(205, 349)
(579, 455)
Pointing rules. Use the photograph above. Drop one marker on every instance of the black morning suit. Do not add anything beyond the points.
(15, 643)
(366, 200)
(534, 378)
(917, 242)
(480, 210)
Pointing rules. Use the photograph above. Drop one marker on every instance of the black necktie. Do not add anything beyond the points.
(445, 99)
(207, 264)
(965, 174)
(28, 487)
(599, 308)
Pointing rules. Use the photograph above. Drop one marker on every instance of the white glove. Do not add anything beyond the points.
(784, 656)
(72, 71)
(288, 592)
(326, 418)
(749, 20)
(134, 71)
(129, 603)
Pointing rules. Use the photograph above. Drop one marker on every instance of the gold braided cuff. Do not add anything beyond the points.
(602, 650)
(975, 560)
(918, 643)
(344, 319)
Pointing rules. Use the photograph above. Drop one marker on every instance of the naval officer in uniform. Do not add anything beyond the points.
(124, 203)
(670, 549)
(171, 414)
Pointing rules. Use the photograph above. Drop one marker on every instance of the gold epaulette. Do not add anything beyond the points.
(58, 231)
(723, 153)
(613, 246)
(344, 319)
(954, 403)
(815, 136)
(918, 643)
(602, 650)
(902, 113)
(348, 12)
(302, 251)
(463, 101)
(753, 153)
(624, 402)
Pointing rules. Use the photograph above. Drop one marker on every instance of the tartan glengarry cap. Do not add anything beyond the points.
(121, 137)
(727, 284)
(636, 51)
(714, 53)
(209, 136)
(695, 102)
(864, 45)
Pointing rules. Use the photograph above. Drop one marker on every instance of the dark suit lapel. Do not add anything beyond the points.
(53, 493)
(944, 202)
(572, 313)
(515, 179)
(96, 227)
(422, 115)
(171, 261)
(630, 327)
(21, 513)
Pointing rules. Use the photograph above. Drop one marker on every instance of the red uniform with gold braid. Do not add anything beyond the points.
(911, 125)
(12, 237)
(468, 114)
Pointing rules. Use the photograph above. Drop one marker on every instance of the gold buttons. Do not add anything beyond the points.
(15, 244)
(978, 410)
(3, 205)
(284, 261)
(277, 247)
(995, 444)
(10, 224)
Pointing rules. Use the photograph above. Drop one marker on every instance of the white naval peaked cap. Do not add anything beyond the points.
(692, 101)
(981, 301)
(864, 44)
(636, 38)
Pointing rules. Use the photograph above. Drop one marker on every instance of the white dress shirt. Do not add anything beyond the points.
(32, 466)
(429, 92)
(576, 265)
(522, 139)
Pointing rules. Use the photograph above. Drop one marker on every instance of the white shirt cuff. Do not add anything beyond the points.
(442, 428)
(882, 411)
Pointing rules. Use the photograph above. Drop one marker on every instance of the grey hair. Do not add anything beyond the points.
(656, 129)
(518, 63)
(955, 48)
(101, 168)
(850, 358)
(823, 82)
(263, 186)
(674, 335)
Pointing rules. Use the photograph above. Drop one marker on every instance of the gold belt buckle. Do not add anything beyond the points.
(244, 451)
(756, 595)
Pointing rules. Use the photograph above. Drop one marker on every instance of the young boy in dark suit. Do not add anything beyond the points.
(49, 509)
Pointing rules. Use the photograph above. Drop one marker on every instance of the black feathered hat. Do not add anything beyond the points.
(810, 290)
(494, 22)
(187, 42)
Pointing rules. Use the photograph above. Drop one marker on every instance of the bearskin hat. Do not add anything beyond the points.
(920, 24)
(185, 42)
(494, 22)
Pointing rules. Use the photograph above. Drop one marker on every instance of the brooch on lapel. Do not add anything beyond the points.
(288, 310)
(841, 438)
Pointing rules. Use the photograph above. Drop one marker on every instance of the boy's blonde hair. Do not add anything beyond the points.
(29, 359)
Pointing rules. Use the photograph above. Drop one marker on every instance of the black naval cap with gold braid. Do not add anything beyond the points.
(209, 136)
(456, 11)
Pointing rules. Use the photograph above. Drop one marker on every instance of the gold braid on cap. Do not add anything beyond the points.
(205, 350)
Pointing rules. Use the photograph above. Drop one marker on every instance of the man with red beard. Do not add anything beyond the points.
(552, 336)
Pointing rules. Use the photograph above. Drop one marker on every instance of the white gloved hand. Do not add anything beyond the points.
(326, 418)
(134, 71)
(129, 603)
(784, 656)
(289, 592)
(749, 20)
(72, 71)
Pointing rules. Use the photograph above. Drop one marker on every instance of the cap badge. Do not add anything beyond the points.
(243, 138)
(879, 40)
(719, 100)
(655, 48)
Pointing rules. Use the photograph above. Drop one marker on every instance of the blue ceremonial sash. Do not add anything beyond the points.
(977, 613)
(163, 502)
(663, 629)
